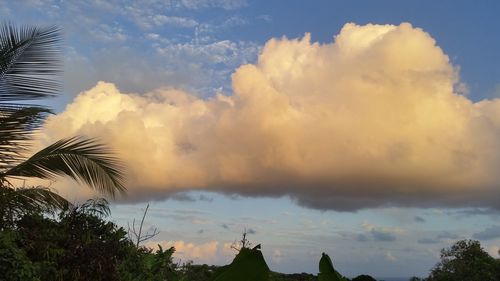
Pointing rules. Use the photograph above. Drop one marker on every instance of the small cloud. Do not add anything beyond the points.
(472, 212)
(183, 197)
(251, 231)
(234, 21)
(204, 4)
(265, 18)
(277, 256)
(205, 198)
(152, 36)
(388, 256)
(361, 238)
(447, 235)
(382, 236)
(428, 241)
(160, 20)
(489, 233)
(419, 219)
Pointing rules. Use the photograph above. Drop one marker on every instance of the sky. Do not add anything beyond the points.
(369, 130)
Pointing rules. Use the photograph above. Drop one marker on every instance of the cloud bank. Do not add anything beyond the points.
(378, 117)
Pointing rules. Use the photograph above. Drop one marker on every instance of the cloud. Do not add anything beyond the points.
(494, 251)
(212, 252)
(221, 52)
(371, 119)
(468, 212)
(183, 197)
(419, 219)
(447, 235)
(203, 4)
(428, 241)
(160, 20)
(388, 256)
(381, 234)
(277, 256)
(489, 233)
(361, 238)
(106, 38)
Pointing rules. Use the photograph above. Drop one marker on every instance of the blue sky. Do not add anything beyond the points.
(195, 46)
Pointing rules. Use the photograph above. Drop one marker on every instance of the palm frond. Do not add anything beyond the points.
(97, 207)
(15, 203)
(29, 62)
(17, 125)
(85, 160)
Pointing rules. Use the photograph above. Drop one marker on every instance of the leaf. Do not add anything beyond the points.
(85, 160)
(17, 202)
(29, 62)
(17, 125)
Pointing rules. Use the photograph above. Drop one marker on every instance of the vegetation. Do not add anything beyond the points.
(78, 245)
(363, 278)
(29, 67)
(248, 265)
(326, 270)
(466, 260)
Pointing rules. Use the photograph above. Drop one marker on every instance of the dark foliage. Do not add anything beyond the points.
(466, 261)
(78, 246)
(363, 277)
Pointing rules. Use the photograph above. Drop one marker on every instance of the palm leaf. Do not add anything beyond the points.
(84, 160)
(29, 62)
(15, 203)
(97, 207)
(17, 125)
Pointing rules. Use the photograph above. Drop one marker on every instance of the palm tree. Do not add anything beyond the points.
(29, 67)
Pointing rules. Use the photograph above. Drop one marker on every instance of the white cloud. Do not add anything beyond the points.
(159, 20)
(388, 256)
(106, 33)
(265, 18)
(277, 256)
(371, 119)
(203, 4)
(221, 52)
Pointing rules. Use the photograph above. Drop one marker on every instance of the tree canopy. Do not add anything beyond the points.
(465, 260)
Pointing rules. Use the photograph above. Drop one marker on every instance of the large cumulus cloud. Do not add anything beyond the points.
(374, 118)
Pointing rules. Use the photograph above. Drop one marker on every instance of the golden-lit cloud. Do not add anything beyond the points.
(377, 117)
(211, 252)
